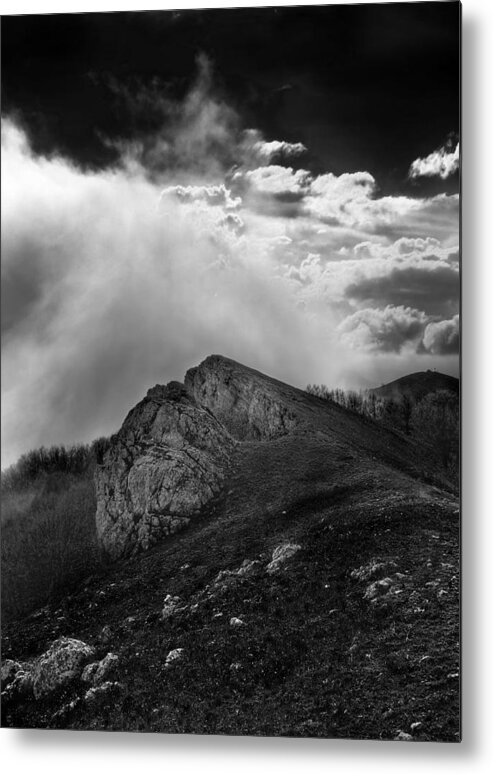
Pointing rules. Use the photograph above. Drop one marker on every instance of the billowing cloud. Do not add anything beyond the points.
(443, 337)
(255, 150)
(268, 150)
(442, 162)
(210, 194)
(384, 330)
(276, 180)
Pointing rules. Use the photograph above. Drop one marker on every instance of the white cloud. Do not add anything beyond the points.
(388, 330)
(276, 180)
(443, 337)
(442, 162)
(217, 195)
(267, 150)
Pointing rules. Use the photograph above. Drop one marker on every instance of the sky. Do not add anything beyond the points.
(277, 185)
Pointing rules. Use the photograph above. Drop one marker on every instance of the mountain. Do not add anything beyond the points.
(279, 566)
(417, 385)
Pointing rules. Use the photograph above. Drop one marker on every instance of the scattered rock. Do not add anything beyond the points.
(174, 656)
(105, 635)
(249, 568)
(280, 555)
(373, 568)
(416, 725)
(96, 672)
(21, 687)
(403, 737)
(236, 622)
(9, 671)
(62, 663)
(104, 691)
(63, 713)
(378, 588)
(170, 606)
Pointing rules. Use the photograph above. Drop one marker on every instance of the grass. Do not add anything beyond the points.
(314, 658)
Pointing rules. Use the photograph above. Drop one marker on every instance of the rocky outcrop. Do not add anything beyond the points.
(167, 462)
(62, 663)
(280, 556)
(247, 403)
(170, 457)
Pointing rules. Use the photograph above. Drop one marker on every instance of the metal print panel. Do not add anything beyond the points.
(230, 395)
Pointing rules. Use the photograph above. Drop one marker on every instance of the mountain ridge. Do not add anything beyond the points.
(314, 594)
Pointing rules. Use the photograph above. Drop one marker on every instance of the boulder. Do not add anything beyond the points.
(62, 663)
(402, 736)
(173, 657)
(97, 672)
(104, 692)
(164, 465)
(378, 588)
(170, 605)
(9, 671)
(280, 555)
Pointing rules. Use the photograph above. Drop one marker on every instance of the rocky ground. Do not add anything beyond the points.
(316, 595)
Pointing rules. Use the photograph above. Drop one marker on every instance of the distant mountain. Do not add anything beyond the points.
(417, 385)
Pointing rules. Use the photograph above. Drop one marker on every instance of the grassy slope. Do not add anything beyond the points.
(315, 658)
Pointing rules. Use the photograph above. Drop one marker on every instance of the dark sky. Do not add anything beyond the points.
(362, 86)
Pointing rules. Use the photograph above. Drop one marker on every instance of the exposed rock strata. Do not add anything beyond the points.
(167, 461)
(170, 457)
(247, 403)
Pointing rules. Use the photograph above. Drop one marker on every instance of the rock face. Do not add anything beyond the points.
(247, 403)
(167, 461)
(170, 457)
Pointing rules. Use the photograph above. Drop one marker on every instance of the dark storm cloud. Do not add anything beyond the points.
(344, 65)
(434, 288)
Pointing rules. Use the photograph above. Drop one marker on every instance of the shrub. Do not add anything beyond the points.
(48, 542)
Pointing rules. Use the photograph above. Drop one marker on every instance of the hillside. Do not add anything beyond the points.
(417, 385)
(314, 592)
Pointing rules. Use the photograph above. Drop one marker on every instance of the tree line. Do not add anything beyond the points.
(433, 419)
(38, 463)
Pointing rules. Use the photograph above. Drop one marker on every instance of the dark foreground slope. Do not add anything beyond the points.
(353, 632)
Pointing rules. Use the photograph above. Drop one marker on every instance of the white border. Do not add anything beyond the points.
(51, 751)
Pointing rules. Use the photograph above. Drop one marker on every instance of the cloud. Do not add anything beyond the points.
(111, 288)
(195, 137)
(276, 180)
(442, 162)
(443, 337)
(212, 195)
(255, 150)
(432, 286)
(268, 150)
(384, 330)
